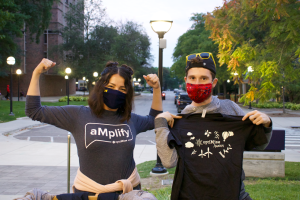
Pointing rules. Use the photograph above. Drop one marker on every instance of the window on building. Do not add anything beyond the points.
(67, 1)
(45, 54)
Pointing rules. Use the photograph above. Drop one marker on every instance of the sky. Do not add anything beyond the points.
(141, 11)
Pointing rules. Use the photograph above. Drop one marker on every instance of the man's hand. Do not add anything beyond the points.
(152, 80)
(169, 117)
(258, 118)
(44, 66)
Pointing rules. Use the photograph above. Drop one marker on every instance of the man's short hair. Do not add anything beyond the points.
(195, 61)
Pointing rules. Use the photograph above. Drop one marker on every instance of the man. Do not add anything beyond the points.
(200, 81)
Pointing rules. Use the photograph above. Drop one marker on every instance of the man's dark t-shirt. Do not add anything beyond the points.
(210, 155)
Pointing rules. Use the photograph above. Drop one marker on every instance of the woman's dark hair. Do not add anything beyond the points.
(96, 97)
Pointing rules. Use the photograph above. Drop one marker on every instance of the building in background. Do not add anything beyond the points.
(51, 83)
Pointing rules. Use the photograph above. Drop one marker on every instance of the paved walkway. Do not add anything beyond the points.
(27, 164)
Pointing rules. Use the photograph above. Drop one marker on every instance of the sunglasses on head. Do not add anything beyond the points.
(204, 55)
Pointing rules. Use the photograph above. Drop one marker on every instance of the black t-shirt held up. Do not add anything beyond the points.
(210, 155)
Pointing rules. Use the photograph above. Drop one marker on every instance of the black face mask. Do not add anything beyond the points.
(114, 98)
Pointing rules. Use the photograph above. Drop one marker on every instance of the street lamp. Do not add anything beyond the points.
(95, 74)
(68, 71)
(19, 72)
(228, 81)
(83, 86)
(11, 61)
(236, 74)
(250, 70)
(160, 27)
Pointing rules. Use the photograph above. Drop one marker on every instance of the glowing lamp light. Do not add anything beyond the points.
(68, 70)
(19, 71)
(11, 60)
(161, 26)
(95, 74)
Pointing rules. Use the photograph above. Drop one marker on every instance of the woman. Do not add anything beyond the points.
(104, 132)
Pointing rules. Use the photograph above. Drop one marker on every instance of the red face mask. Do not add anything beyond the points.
(198, 92)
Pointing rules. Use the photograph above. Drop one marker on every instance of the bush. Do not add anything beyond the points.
(73, 98)
(287, 105)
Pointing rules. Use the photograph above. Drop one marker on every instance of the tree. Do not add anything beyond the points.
(263, 34)
(17, 16)
(91, 40)
(196, 40)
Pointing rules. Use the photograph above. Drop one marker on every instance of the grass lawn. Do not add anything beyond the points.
(258, 188)
(19, 108)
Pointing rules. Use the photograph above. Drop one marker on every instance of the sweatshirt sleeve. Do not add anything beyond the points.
(60, 116)
(167, 155)
(144, 123)
(267, 130)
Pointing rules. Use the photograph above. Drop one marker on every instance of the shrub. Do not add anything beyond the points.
(288, 105)
(73, 98)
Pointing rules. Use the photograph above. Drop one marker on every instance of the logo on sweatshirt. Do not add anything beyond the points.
(110, 133)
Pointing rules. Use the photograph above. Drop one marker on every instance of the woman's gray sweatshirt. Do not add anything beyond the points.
(105, 146)
(169, 156)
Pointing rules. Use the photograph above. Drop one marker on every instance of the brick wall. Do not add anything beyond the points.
(51, 84)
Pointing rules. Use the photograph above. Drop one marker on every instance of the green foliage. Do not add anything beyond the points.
(196, 40)
(73, 98)
(291, 106)
(35, 14)
(262, 34)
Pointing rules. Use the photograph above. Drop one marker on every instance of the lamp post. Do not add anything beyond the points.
(87, 82)
(68, 71)
(139, 80)
(11, 61)
(134, 80)
(250, 70)
(236, 74)
(19, 72)
(228, 81)
(160, 27)
(95, 74)
(83, 86)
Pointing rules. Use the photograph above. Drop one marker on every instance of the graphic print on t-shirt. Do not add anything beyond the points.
(213, 140)
(110, 133)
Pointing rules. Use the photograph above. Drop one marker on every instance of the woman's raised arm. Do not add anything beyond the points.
(34, 87)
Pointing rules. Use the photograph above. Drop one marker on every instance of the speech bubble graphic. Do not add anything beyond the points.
(110, 133)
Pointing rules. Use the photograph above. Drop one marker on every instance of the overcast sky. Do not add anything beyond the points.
(141, 11)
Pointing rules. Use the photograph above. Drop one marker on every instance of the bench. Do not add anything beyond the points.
(269, 162)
